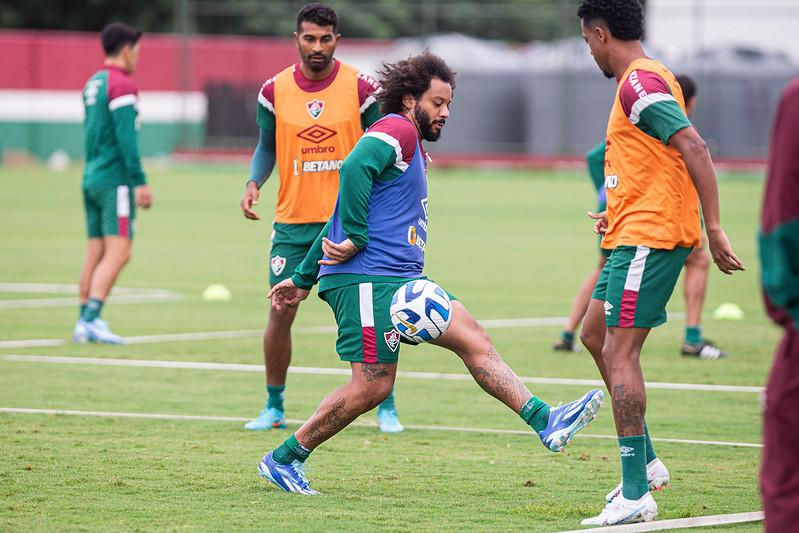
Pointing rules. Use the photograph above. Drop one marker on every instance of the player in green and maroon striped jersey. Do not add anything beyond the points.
(113, 180)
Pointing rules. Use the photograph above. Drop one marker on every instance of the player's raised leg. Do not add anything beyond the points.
(556, 426)
(369, 385)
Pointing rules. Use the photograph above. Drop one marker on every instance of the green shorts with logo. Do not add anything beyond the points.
(110, 211)
(365, 331)
(636, 284)
(290, 245)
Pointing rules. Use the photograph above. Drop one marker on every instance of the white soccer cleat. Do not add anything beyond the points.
(79, 333)
(656, 475)
(624, 511)
(98, 331)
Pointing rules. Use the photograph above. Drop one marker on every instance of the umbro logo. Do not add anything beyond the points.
(317, 134)
(608, 307)
(626, 451)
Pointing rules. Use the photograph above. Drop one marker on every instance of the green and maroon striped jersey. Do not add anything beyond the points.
(111, 102)
(779, 223)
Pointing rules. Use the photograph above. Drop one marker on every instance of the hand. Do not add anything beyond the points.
(286, 294)
(337, 253)
(721, 250)
(143, 196)
(250, 200)
(601, 224)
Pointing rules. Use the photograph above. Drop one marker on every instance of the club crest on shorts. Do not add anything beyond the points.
(392, 339)
(278, 264)
(315, 107)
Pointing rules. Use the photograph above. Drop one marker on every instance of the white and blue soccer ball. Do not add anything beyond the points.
(421, 311)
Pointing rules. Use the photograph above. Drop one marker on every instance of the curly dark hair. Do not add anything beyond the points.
(319, 14)
(688, 86)
(624, 18)
(410, 77)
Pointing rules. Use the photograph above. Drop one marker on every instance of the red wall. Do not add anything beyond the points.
(65, 60)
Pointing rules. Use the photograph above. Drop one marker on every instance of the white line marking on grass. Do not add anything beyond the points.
(347, 372)
(121, 295)
(360, 423)
(502, 323)
(680, 523)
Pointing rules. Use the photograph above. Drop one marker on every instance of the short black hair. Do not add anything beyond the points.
(116, 35)
(624, 18)
(688, 86)
(319, 14)
(410, 76)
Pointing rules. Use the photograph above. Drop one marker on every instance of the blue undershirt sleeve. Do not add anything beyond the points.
(263, 157)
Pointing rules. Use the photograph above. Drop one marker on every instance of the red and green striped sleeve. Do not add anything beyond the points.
(779, 227)
(647, 101)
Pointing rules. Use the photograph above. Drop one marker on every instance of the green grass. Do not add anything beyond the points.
(510, 244)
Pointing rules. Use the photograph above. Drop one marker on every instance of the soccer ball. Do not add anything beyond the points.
(421, 311)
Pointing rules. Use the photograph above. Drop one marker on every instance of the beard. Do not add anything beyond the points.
(318, 62)
(426, 124)
(607, 74)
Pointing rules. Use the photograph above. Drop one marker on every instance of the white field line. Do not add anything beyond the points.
(62, 288)
(362, 423)
(346, 372)
(679, 523)
(121, 295)
(122, 299)
(502, 323)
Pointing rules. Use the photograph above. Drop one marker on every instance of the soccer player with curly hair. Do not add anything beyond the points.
(373, 245)
(310, 115)
(657, 171)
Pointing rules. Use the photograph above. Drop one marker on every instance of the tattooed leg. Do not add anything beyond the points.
(369, 385)
(469, 340)
(621, 355)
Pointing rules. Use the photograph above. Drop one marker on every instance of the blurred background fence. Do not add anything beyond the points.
(528, 88)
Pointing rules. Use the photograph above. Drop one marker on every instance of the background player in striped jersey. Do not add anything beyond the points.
(778, 241)
(373, 245)
(697, 266)
(657, 168)
(113, 180)
(310, 116)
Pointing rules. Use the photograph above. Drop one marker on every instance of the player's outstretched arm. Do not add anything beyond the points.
(263, 162)
(700, 167)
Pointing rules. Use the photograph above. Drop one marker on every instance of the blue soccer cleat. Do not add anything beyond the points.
(97, 331)
(388, 421)
(289, 478)
(566, 421)
(269, 418)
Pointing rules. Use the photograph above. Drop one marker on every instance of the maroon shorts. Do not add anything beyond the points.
(779, 474)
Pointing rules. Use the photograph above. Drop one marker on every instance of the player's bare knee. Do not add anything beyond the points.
(282, 317)
(592, 341)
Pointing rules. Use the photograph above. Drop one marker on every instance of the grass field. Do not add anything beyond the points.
(509, 244)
